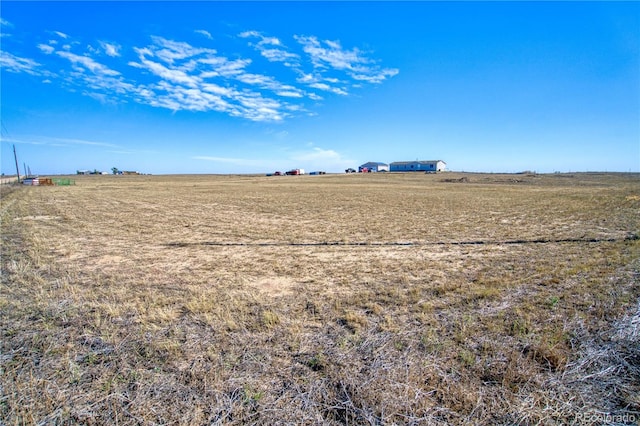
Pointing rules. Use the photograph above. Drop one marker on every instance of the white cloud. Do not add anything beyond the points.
(219, 90)
(88, 63)
(318, 154)
(232, 68)
(17, 64)
(246, 34)
(169, 50)
(103, 82)
(257, 108)
(256, 79)
(312, 159)
(279, 55)
(100, 97)
(307, 78)
(375, 76)
(173, 75)
(183, 98)
(185, 73)
(327, 88)
(205, 33)
(46, 48)
(265, 46)
(83, 142)
(331, 55)
(5, 23)
(54, 141)
(317, 158)
(270, 83)
(111, 49)
(290, 93)
(177, 75)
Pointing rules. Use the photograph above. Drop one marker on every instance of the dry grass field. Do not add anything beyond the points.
(338, 299)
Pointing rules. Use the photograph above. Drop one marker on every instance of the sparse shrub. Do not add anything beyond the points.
(317, 362)
(354, 321)
(270, 318)
(467, 357)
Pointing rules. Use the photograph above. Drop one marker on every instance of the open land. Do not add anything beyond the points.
(337, 299)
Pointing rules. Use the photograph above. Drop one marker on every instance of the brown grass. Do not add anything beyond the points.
(359, 299)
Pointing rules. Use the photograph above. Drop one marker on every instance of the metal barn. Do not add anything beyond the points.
(374, 166)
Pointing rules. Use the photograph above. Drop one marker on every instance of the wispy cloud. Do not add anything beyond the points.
(87, 63)
(318, 154)
(111, 49)
(48, 49)
(316, 158)
(86, 142)
(331, 55)
(5, 23)
(50, 141)
(326, 57)
(17, 64)
(205, 33)
(174, 75)
(200, 79)
(312, 158)
(272, 48)
(177, 75)
(327, 88)
(170, 51)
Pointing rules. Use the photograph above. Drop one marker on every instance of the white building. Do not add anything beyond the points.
(374, 166)
(418, 166)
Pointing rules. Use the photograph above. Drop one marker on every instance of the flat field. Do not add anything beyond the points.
(336, 299)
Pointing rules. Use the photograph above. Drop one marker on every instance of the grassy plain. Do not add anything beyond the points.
(336, 299)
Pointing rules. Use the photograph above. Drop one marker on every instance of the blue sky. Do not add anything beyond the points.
(254, 87)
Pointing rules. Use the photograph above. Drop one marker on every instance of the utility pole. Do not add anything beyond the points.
(16, 158)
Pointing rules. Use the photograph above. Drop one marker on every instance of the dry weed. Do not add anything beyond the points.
(367, 299)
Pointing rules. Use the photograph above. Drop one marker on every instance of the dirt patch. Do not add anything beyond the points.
(463, 179)
(274, 286)
(37, 218)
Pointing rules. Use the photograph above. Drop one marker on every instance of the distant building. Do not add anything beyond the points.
(33, 181)
(418, 166)
(373, 166)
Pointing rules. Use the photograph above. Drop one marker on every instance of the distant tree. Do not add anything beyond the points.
(115, 170)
